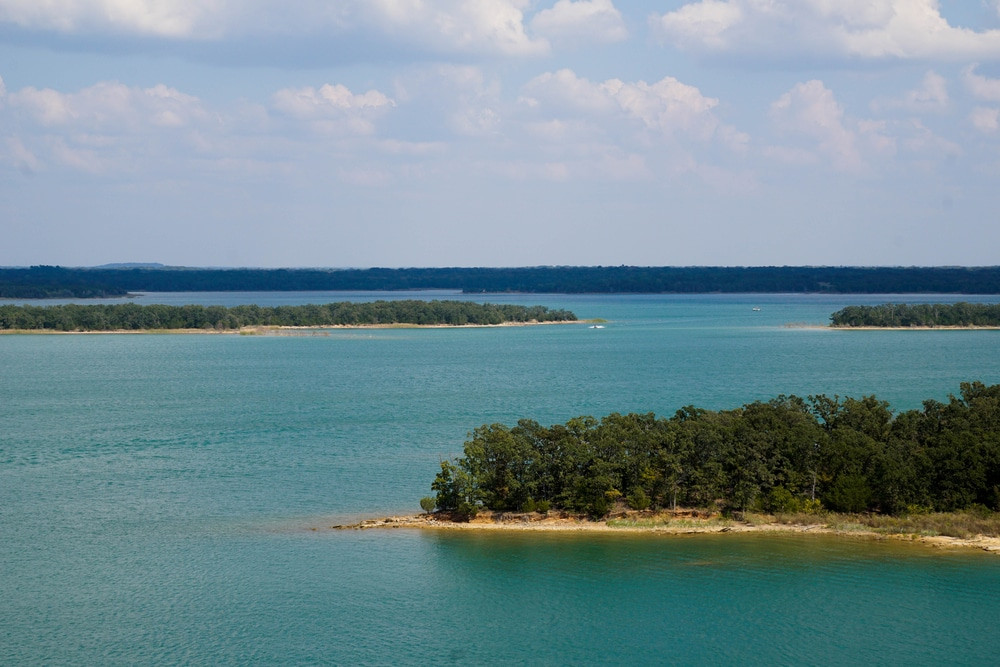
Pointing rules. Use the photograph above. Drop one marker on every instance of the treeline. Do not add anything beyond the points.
(132, 317)
(919, 315)
(52, 282)
(40, 281)
(787, 454)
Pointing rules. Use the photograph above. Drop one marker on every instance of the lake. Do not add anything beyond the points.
(157, 494)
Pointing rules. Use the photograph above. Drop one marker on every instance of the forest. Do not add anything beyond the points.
(55, 281)
(788, 454)
(133, 317)
(919, 315)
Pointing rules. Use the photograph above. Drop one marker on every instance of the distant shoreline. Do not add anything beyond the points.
(663, 523)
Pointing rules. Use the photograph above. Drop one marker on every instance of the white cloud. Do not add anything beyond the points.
(923, 141)
(22, 158)
(329, 99)
(160, 18)
(931, 96)
(102, 128)
(78, 157)
(810, 109)
(668, 107)
(981, 87)
(705, 23)
(985, 119)
(110, 105)
(332, 109)
(457, 99)
(439, 27)
(868, 29)
(469, 26)
(581, 22)
(474, 100)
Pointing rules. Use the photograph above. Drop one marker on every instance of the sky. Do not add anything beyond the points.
(418, 133)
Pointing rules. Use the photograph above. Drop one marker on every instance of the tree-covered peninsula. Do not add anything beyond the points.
(901, 315)
(785, 455)
(133, 317)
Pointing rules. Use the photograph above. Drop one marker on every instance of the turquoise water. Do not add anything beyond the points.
(157, 494)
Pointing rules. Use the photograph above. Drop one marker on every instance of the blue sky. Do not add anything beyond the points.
(358, 133)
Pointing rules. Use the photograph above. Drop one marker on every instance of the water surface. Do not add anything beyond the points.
(156, 490)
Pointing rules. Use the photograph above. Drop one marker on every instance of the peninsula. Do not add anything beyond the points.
(156, 317)
(959, 315)
(820, 459)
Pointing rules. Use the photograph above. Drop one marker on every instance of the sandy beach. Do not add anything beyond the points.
(666, 523)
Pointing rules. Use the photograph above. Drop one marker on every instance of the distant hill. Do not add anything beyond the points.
(53, 281)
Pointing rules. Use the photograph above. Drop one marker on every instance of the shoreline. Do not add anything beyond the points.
(662, 523)
(264, 330)
(831, 327)
(970, 327)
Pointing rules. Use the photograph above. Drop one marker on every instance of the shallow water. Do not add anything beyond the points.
(155, 492)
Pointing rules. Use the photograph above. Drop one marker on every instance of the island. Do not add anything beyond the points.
(959, 315)
(822, 463)
(156, 317)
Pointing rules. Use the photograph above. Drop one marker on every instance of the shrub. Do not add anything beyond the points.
(428, 504)
(638, 500)
(466, 511)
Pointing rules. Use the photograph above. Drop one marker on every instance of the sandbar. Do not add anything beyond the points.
(683, 522)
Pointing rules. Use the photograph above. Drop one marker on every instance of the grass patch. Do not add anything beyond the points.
(949, 524)
(662, 521)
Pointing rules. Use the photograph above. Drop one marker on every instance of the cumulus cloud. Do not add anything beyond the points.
(444, 100)
(22, 158)
(855, 29)
(309, 102)
(923, 141)
(931, 96)
(981, 87)
(581, 22)
(667, 107)
(810, 110)
(464, 25)
(309, 27)
(107, 105)
(101, 127)
(161, 18)
(985, 119)
(818, 131)
(332, 108)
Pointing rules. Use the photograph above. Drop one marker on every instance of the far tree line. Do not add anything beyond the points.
(959, 314)
(783, 455)
(133, 317)
(63, 282)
